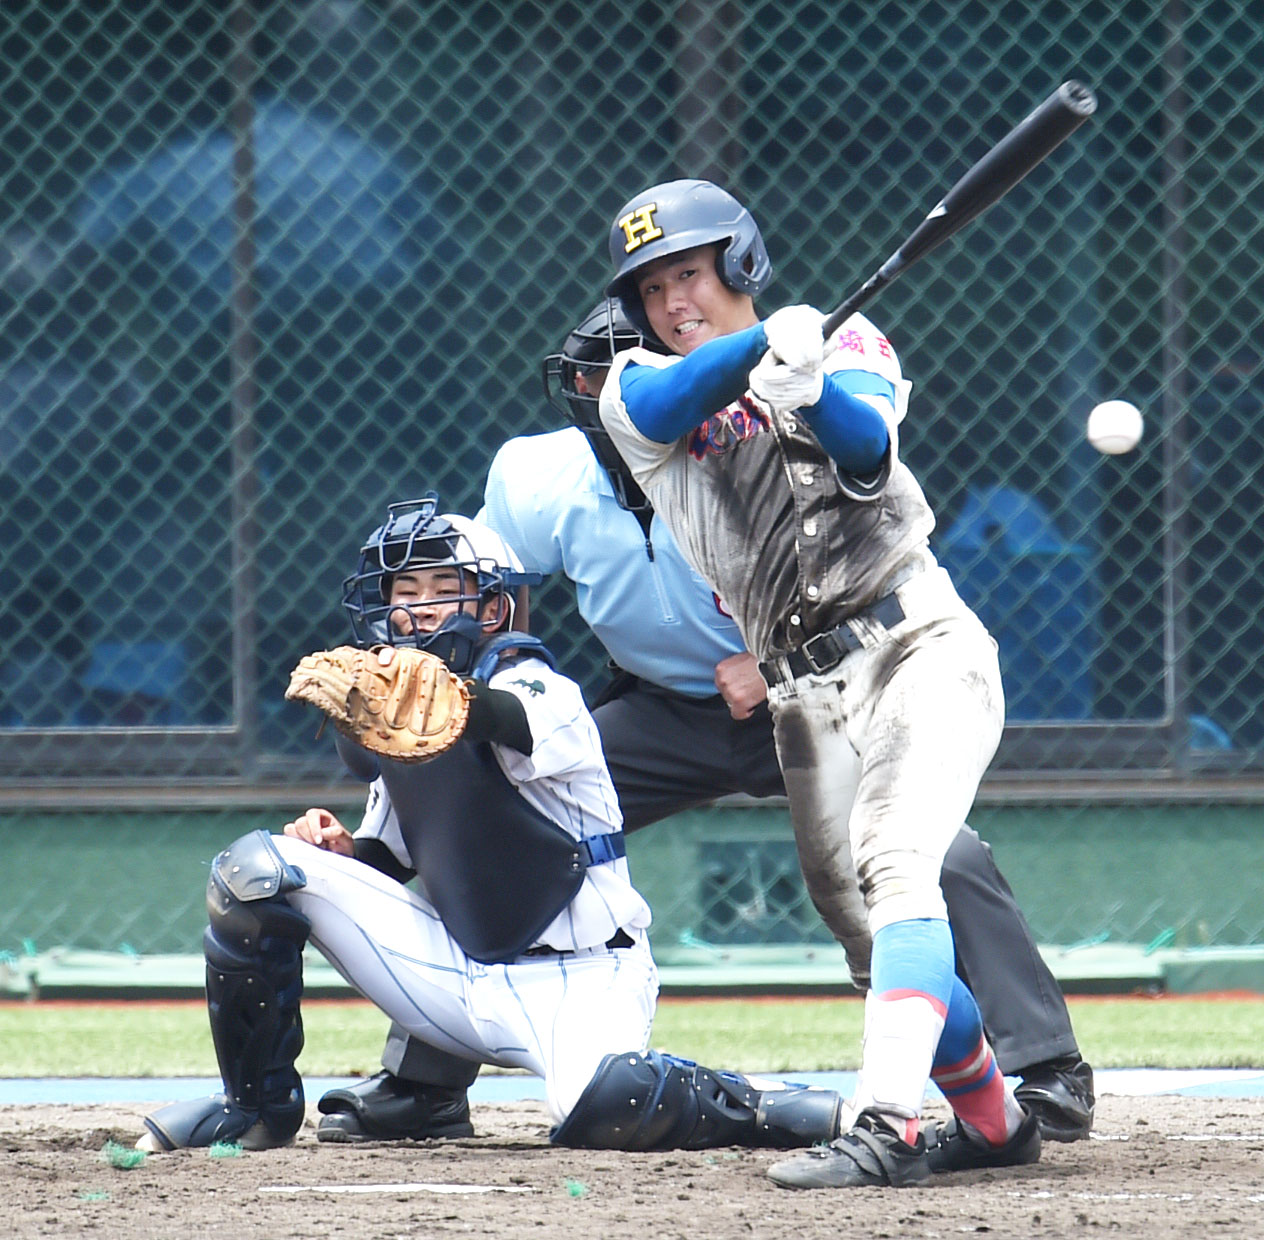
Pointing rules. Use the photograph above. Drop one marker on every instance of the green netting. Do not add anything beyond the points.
(1180, 876)
(270, 265)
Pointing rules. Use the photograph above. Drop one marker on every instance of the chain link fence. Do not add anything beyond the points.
(271, 264)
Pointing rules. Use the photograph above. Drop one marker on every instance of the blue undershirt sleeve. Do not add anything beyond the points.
(852, 431)
(666, 403)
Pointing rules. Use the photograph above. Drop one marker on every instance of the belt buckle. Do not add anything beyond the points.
(822, 639)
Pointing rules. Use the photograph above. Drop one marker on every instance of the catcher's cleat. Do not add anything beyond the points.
(870, 1155)
(948, 1148)
(1059, 1092)
(386, 1108)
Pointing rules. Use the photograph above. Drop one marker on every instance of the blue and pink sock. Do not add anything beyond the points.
(921, 1020)
(965, 1071)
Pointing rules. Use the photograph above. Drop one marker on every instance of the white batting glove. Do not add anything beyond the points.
(794, 336)
(783, 388)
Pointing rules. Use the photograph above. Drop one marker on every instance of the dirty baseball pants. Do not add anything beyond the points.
(882, 756)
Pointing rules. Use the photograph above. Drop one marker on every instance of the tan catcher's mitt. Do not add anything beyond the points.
(410, 707)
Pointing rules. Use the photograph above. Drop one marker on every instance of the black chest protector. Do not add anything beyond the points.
(497, 870)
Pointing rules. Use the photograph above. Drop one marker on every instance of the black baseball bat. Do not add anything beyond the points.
(1011, 159)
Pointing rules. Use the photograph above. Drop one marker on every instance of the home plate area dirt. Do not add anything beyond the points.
(1155, 1167)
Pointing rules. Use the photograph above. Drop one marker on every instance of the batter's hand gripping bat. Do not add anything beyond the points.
(1011, 159)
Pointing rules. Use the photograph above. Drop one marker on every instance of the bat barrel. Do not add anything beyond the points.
(1032, 140)
(1029, 143)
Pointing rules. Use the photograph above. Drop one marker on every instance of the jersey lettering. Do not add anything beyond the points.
(723, 431)
(639, 227)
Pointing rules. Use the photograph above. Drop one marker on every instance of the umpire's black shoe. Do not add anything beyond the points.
(949, 1149)
(1059, 1092)
(869, 1155)
(386, 1108)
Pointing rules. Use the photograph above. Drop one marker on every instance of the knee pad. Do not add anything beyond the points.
(243, 893)
(633, 1102)
(254, 980)
(658, 1102)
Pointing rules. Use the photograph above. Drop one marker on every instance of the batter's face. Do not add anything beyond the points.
(687, 303)
(431, 595)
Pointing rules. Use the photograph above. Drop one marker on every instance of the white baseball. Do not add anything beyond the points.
(1115, 426)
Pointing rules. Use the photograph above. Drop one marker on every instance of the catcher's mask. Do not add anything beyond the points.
(588, 351)
(680, 215)
(417, 538)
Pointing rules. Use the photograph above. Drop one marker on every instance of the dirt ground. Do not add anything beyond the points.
(1158, 1167)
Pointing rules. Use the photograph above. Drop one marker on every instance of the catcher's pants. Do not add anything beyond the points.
(882, 758)
(556, 1015)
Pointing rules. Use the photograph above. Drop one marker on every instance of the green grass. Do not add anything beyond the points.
(345, 1038)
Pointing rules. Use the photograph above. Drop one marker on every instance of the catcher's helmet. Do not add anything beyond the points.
(588, 350)
(416, 536)
(679, 215)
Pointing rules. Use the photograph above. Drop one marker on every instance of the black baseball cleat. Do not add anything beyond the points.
(1059, 1092)
(869, 1155)
(386, 1108)
(949, 1149)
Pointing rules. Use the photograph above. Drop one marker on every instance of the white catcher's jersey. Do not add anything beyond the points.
(759, 509)
(565, 778)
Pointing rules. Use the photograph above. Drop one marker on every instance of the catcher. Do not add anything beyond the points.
(523, 944)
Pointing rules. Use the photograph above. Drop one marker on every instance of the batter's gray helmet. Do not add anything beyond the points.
(679, 215)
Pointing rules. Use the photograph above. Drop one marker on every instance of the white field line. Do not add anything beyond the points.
(1047, 1195)
(1214, 1136)
(390, 1188)
(1184, 1136)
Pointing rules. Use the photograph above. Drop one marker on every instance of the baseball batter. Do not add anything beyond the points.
(774, 461)
(565, 502)
(524, 943)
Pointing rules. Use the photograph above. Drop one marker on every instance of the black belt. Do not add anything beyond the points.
(825, 651)
(621, 938)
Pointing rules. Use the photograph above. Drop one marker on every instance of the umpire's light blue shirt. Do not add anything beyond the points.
(548, 497)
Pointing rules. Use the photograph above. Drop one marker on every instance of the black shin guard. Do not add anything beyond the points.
(658, 1102)
(254, 980)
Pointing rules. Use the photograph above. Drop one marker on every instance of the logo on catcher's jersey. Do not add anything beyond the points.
(533, 687)
(639, 227)
(723, 431)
